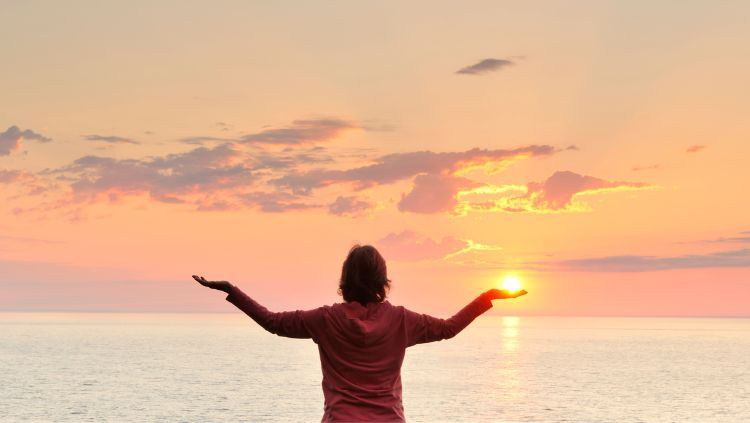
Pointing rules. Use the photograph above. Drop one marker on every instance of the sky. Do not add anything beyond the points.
(597, 150)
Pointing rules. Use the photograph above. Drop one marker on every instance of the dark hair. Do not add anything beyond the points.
(364, 277)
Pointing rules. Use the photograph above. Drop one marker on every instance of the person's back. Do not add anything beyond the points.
(362, 342)
(361, 352)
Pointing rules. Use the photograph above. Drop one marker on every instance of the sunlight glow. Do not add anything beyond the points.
(511, 283)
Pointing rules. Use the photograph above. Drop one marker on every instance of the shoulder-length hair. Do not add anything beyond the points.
(364, 277)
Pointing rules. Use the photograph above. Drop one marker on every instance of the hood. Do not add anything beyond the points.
(361, 325)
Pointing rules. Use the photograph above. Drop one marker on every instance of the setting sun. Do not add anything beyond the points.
(511, 283)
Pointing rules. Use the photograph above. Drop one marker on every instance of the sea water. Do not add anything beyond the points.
(223, 368)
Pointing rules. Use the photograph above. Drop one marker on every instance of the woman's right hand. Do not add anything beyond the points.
(504, 294)
(219, 285)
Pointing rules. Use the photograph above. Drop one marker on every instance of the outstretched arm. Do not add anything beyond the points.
(292, 324)
(422, 328)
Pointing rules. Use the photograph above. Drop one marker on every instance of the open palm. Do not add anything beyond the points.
(504, 294)
(219, 285)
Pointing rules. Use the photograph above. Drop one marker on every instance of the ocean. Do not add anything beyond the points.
(153, 367)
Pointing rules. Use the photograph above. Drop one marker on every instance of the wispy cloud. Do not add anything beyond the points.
(200, 140)
(695, 148)
(300, 132)
(485, 66)
(411, 246)
(10, 176)
(12, 138)
(408, 245)
(111, 139)
(399, 166)
(28, 182)
(642, 263)
(743, 238)
(172, 178)
(351, 206)
(275, 202)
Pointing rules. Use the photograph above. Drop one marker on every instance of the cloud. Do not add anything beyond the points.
(408, 245)
(227, 177)
(222, 177)
(411, 246)
(112, 139)
(350, 206)
(10, 176)
(639, 263)
(434, 193)
(236, 176)
(171, 178)
(290, 160)
(200, 140)
(744, 238)
(300, 132)
(485, 66)
(12, 138)
(275, 202)
(28, 182)
(695, 148)
(557, 193)
(399, 166)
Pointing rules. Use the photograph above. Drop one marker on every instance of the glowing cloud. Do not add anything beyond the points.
(434, 193)
(399, 166)
(556, 194)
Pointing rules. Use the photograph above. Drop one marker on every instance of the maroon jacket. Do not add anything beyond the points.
(361, 349)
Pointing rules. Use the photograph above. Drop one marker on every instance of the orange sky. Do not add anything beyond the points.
(597, 150)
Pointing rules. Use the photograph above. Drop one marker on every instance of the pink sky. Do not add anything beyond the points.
(595, 150)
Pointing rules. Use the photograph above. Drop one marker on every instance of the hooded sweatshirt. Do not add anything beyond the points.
(361, 349)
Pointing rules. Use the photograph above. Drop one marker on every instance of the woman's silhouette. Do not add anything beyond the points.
(361, 341)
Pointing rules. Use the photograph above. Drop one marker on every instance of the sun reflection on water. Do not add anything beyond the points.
(510, 334)
(508, 383)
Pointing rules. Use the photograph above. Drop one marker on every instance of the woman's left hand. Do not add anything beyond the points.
(504, 294)
(220, 285)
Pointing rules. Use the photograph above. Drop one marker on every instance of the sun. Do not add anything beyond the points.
(511, 283)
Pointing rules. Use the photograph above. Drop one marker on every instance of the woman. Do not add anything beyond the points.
(362, 341)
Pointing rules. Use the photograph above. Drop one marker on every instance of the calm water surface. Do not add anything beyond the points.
(224, 368)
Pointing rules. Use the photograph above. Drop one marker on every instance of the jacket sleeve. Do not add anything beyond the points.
(422, 328)
(291, 324)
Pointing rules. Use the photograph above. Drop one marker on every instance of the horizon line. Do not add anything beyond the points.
(707, 316)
